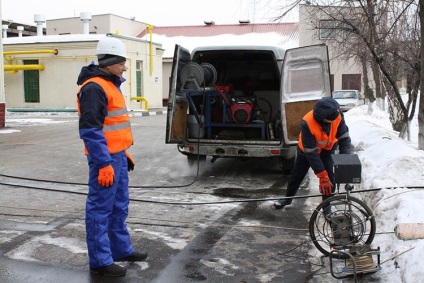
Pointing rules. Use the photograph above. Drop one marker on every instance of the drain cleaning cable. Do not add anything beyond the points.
(172, 203)
(152, 201)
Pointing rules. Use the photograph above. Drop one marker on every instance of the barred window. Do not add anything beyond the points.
(327, 29)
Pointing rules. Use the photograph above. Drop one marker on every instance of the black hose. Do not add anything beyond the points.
(175, 203)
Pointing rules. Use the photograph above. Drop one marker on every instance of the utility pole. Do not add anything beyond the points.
(2, 95)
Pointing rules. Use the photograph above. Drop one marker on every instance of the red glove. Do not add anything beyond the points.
(130, 161)
(325, 185)
(106, 176)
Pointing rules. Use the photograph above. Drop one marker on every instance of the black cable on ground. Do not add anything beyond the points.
(85, 184)
(177, 186)
(176, 203)
(160, 202)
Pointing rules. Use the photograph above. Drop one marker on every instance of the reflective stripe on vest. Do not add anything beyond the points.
(323, 141)
(116, 126)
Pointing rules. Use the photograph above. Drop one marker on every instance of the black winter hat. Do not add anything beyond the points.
(326, 108)
(108, 59)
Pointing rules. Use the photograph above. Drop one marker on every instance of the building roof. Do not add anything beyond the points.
(63, 38)
(212, 29)
(285, 35)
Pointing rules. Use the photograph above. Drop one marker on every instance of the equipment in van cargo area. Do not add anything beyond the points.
(195, 76)
(243, 101)
(240, 109)
(194, 128)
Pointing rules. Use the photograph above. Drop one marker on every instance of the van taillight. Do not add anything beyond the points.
(189, 149)
(275, 152)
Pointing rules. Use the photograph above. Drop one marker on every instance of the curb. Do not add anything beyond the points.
(132, 112)
(152, 112)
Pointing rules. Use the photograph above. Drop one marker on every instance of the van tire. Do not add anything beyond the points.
(287, 165)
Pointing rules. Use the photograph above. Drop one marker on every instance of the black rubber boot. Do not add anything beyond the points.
(279, 204)
(112, 270)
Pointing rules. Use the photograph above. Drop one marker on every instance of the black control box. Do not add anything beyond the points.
(347, 168)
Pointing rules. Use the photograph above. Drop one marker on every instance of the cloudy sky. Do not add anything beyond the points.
(157, 12)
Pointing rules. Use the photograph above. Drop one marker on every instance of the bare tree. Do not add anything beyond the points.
(386, 38)
(421, 105)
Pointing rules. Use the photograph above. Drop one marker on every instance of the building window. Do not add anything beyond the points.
(348, 29)
(327, 29)
(31, 83)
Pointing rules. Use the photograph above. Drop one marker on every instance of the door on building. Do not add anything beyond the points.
(139, 77)
(351, 81)
(31, 82)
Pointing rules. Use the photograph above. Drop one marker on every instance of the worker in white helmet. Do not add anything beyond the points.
(104, 126)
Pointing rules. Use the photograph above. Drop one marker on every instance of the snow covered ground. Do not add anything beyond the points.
(393, 164)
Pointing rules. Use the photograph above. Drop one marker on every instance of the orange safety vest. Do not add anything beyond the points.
(116, 126)
(323, 141)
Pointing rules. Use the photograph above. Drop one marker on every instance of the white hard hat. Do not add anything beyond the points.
(111, 46)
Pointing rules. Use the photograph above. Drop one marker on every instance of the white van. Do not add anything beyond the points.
(243, 101)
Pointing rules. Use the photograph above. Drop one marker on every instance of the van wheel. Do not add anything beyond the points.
(193, 158)
(287, 165)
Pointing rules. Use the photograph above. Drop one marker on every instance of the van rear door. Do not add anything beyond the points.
(177, 103)
(305, 79)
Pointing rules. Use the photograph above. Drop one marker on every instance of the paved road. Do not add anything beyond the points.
(203, 227)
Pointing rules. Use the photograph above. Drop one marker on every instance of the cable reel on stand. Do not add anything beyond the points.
(343, 227)
(198, 78)
(193, 76)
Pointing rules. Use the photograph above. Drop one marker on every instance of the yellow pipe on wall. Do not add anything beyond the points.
(46, 51)
(29, 67)
(23, 67)
(151, 49)
(141, 99)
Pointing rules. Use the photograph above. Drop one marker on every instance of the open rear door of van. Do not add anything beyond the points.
(177, 103)
(305, 79)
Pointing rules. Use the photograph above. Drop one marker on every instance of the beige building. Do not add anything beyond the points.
(41, 71)
(95, 24)
(345, 74)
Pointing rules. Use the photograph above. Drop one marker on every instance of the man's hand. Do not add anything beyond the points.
(106, 176)
(130, 161)
(325, 185)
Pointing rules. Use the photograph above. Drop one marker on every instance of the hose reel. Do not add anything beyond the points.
(194, 76)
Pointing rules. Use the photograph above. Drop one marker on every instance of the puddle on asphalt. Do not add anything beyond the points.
(245, 193)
